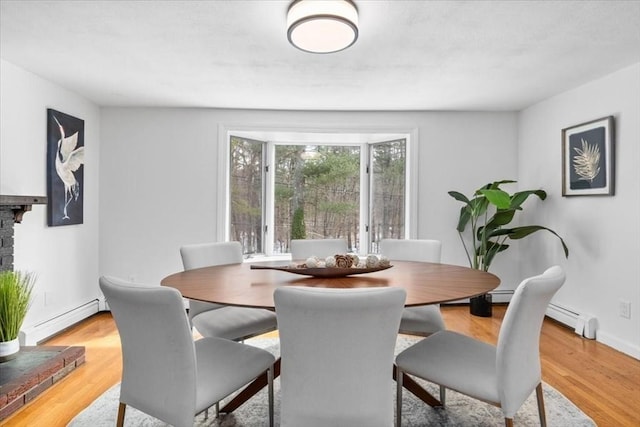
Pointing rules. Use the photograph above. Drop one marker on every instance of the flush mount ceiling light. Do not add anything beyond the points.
(322, 26)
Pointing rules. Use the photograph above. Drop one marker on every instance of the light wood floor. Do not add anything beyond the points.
(601, 381)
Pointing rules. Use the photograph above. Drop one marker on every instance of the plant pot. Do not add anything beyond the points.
(9, 349)
(481, 305)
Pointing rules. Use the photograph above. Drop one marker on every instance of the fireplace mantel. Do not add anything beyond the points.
(11, 210)
(20, 204)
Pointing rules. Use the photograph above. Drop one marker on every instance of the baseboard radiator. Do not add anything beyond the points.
(35, 334)
(583, 324)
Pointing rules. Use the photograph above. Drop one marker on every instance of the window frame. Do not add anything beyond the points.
(291, 136)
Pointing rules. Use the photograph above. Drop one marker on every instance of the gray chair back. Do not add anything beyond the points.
(518, 353)
(158, 353)
(205, 255)
(337, 349)
(423, 320)
(421, 250)
(322, 248)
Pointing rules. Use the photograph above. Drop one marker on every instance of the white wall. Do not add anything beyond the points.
(603, 233)
(65, 258)
(159, 176)
(151, 186)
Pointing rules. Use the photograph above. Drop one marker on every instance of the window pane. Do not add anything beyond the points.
(317, 194)
(387, 191)
(246, 213)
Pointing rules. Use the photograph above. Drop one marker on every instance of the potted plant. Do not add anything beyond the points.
(488, 213)
(15, 299)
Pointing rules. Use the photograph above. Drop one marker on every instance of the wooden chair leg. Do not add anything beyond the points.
(541, 411)
(508, 422)
(443, 394)
(121, 410)
(399, 376)
(270, 388)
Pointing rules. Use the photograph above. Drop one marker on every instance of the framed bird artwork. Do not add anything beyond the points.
(65, 169)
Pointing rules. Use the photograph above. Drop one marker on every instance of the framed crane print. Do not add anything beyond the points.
(588, 158)
(65, 169)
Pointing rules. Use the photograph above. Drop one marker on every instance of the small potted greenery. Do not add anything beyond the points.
(488, 212)
(15, 298)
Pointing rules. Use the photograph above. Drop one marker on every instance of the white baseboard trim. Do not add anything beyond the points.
(583, 324)
(622, 346)
(34, 334)
(563, 315)
(501, 296)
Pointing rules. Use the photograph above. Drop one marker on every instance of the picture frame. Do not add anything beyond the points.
(65, 169)
(588, 160)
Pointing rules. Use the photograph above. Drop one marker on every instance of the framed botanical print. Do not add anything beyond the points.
(65, 169)
(588, 158)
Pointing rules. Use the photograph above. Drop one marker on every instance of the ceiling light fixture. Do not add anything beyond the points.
(322, 26)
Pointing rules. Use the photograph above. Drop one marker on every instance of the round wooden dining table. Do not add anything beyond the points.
(252, 285)
(242, 285)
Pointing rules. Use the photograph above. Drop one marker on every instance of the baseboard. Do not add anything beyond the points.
(622, 346)
(37, 333)
(582, 323)
(500, 297)
(564, 315)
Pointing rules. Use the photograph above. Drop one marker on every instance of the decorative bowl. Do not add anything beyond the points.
(322, 271)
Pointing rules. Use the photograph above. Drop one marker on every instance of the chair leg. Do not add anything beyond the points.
(217, 409)
(443, 394)
(508, 422)
(541, 412)
(121, 410)
(270, 387)
(399, 374)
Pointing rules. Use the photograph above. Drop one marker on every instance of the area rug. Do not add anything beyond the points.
(460, 410)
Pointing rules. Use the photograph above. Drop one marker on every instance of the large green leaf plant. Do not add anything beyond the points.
(488, 213)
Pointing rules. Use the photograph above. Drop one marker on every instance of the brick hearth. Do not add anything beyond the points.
(32, 371)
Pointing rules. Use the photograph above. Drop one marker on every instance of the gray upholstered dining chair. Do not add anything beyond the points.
(165, 373)
(427, 319)
(322, 248)
(336, 348)
(503, 375)
(217, 320)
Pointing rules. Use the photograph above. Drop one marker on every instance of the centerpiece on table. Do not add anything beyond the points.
(488, 212)
(339, 265)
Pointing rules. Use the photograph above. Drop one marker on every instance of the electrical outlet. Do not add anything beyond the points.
(624, 309)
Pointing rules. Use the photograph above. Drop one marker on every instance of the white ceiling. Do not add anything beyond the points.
(411, 55)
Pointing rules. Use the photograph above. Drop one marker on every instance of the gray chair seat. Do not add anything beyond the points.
(472, 371)
(225, 366)
(234, 323)
(422, 321)
(218, 320)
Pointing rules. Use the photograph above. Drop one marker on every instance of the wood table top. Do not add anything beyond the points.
(239, 285)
